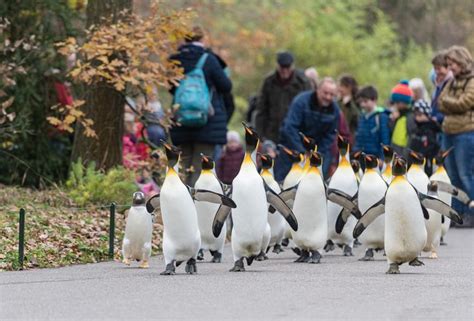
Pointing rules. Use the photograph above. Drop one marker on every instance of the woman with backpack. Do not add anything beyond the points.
(201, 123)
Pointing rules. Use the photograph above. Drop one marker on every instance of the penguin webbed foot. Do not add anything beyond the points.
(277, 249)
(369, 255)
(200, 255)
(329, 246)
(347, 250)
(191, 267)
(315, 257)
(261, 257)
(169, 270)
(442, 242)
(238, 266)
(250, 259)
(393, 269)
(304, 257)
(416, 262)
(216, 256)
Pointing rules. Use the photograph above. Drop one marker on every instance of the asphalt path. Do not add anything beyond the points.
(340, 288)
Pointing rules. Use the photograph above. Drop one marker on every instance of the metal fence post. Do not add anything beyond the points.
(21, 238)
(112, 231)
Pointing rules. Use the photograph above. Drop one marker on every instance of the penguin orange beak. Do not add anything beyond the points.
(446, 153)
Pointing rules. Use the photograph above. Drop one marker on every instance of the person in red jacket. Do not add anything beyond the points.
(228, 165)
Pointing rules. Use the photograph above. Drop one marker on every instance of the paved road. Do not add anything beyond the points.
(339, 288)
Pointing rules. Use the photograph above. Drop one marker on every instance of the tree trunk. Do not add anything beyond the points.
(104, 105)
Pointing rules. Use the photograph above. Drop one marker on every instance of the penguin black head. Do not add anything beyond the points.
(267, 161)
(416, 158)
(207, 163)
(138, 199)
(294, 156)
(172, 153)
(442, 154)
(308, 142)
(315, 159)
(251, 138)
(399, 166)
(355, 164)
(387, 153)
(371, 161)
(343, 145)
(359, 156)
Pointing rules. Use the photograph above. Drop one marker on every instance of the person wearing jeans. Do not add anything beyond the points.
(456, 102)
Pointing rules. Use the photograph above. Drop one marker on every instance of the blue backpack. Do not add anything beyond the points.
(193, 97)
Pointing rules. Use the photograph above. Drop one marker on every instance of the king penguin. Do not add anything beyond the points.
(343, 180)
(310, 208)
(276, 221)
(251, 194)
(206, 212)
(138, 231)
(405, 210)
(371, 189)
(418, 178)
(440, 174)
(181, 236)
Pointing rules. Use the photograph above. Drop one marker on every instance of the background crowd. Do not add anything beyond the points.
(291, 101)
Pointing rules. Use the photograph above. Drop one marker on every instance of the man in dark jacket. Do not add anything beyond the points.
(277, 92)
(191, 140)
(315, 114)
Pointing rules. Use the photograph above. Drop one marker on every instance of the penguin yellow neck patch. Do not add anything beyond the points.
(248, 159)
(266, 173)
(296, 167)
(206, 172)
(171, 172)
(440, 170)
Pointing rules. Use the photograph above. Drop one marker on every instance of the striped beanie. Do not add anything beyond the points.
(401, 93)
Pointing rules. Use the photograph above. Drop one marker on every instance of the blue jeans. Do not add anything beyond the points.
(460, 165)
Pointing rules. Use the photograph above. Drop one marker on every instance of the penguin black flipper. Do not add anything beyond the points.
(153, 203)
(279, 204)
(345, 200)
(289, 194)
(450, 189)
(426, 215)
(440, 207)
(369, 216)
(342, 219)
(219, 219)
(204, 195)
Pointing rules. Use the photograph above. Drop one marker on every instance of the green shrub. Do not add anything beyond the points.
(86, 185)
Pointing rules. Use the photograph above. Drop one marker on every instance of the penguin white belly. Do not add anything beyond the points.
(275, 220)
(181, 237)
(138, 233)
(250, 217)
(291, 180)
(433, 225)
(310, 209)
(206, 212)
(372, 189)
(405, 232)
(345, 180)
(441, 175)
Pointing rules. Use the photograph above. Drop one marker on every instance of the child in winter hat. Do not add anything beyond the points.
(402, 119)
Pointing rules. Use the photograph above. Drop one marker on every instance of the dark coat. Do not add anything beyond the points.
(274, 101)
(228, 165)
(424, 139)
(214, 132)
(372, 131)
(306, 116)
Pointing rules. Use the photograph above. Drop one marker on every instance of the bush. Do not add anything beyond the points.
(86, 185)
